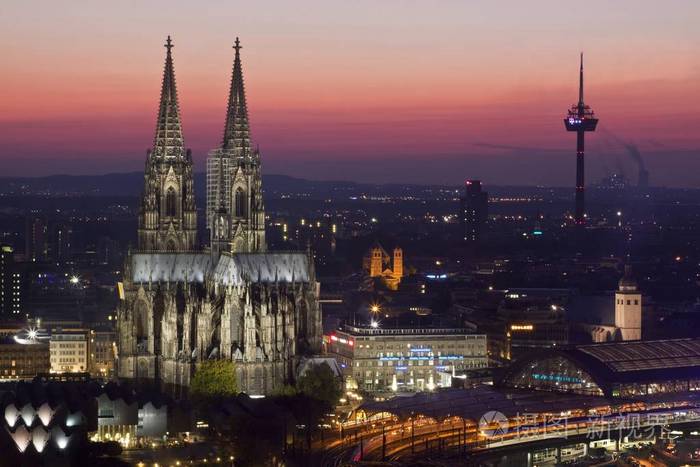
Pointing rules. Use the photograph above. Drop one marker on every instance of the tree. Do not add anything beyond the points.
(214, 379)
(285, 391)
(320, 382)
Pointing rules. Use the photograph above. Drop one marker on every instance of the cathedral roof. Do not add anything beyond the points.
(168, 139)
(170, 267)
(236, 130)
(238, 268)
(231, 269)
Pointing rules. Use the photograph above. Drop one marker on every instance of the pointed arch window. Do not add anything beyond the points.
(253, 206)
(170, 203)
(240, 203)
(141, 318)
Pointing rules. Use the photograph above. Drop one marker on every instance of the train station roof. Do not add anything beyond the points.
(473, 403)
(612, 369)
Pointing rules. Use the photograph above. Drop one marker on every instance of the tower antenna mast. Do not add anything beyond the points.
(580, 119)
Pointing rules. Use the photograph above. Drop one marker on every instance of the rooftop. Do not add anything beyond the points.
(406, 331)
(471, 404)
(230, 269)
(612, 363)
(645, 355)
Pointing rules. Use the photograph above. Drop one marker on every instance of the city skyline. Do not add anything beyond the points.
(318, 233)
(460, 91)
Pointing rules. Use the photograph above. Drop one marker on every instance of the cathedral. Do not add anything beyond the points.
(181, 304)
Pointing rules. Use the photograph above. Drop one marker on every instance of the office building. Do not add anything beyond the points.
(473, 210)
(36, 239)
(22, 359)
(102, 353)
(10, 284)
(69, 351)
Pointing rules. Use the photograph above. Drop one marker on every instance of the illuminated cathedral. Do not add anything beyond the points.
(181, 304)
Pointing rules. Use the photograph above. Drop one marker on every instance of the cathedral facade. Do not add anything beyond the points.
(179, 304)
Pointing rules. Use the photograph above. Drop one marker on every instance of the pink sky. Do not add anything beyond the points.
(367, 90)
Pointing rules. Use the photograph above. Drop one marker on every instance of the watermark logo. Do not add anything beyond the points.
(493, 423)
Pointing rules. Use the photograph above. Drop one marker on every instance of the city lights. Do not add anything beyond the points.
(402, 265)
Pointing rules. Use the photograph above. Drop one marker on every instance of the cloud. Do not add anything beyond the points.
(519, 148)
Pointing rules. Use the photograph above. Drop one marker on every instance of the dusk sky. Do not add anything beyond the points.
(380, 91)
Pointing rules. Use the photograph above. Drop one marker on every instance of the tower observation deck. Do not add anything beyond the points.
(580, 118)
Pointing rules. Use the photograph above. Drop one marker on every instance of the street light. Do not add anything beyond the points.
(74, 280)
(374, 324)
(375, 308)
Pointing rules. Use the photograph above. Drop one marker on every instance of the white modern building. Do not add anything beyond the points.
(404, 359)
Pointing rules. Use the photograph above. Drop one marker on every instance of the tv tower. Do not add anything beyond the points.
(580, 119)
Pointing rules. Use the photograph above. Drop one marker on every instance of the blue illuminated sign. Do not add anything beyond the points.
(557, 378)
(436, 276)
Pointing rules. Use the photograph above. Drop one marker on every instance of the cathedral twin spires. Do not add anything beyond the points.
(235, 211)
(236, 301)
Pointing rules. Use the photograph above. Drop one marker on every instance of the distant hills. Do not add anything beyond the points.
(131, 184)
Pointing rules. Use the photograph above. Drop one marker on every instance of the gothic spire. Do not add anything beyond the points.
(236, 131)
(168, 139)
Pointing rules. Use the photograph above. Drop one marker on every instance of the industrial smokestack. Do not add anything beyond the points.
(643, 181)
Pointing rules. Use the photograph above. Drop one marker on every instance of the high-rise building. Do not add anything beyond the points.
(235, 209)
(60, 245)
(473, 210)
(10, 284)
(628, 308)
(168, 217)
(237, 302)
(36, 239)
